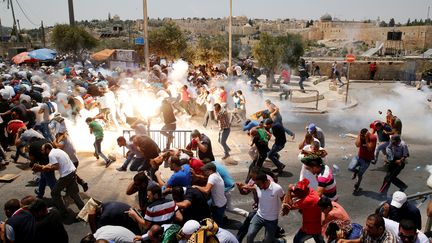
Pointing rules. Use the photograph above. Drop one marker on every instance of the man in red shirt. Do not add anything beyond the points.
(304, 198)
(372, 70)
(366, 142)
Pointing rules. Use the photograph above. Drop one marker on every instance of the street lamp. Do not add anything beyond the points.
(230, 37)
(146, 43)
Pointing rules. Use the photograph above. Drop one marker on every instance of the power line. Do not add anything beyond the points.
(25, 15)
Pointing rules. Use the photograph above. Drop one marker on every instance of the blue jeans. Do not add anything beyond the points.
(271, 228)
(128, 160)
(302, 79)
(139, 164)
(272, 155)
(19, 151)
(360, 169)
(45, 130)
(250, 125)
(47, 178)
(223, 137)
(381, 147)
(218, 214)
(98, 150)
(301, 237)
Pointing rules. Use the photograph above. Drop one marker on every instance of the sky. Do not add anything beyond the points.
(56, 11)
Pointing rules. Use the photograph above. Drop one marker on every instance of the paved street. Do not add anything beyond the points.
(109, 184)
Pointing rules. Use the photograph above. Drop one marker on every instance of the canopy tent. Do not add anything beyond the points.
(23, 57)
(102, 55)
(43, 54)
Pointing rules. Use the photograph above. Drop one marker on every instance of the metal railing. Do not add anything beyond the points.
(418, 198)
(181, 138)
(306, 90)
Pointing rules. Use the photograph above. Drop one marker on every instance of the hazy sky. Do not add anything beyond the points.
(56, 11)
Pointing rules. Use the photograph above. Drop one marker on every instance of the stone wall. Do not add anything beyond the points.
(387, 70)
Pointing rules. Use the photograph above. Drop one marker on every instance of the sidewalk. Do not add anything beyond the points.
(330, 97)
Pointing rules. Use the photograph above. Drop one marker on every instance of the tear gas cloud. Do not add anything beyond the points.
(408, 104)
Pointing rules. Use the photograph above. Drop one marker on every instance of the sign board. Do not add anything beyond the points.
(350, 58)
(139, 41)
(125, 55)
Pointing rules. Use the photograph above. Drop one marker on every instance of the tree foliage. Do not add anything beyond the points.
(392, 23)
(72, 39)
(167, 41)
(211, 49)
(271, 51)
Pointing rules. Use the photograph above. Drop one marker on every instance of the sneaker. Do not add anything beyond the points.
(108, 163)
(373, 162)
(226, 156)
(293, 137)
(402, 189)
(96, 155)
(14, 158)
(121, 168)
(85, 186)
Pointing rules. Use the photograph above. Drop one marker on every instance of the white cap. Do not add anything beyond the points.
(190, 227)
(398, 199)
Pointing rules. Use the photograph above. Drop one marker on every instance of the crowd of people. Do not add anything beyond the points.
(192, 204)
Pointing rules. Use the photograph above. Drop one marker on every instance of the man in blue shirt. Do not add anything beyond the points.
(383, 131)
(182, 175)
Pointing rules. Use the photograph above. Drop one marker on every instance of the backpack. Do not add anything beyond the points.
(171, 233)
(263, 136)
(207, 232)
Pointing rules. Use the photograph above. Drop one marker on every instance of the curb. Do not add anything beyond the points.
(353, 104)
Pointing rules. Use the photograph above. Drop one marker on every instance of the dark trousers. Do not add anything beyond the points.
(223, 137)
(69, 183)
(218, 214)
(393, 170)
(301, 237)
(98, 150)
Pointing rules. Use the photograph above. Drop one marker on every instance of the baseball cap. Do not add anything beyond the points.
(311, 127)
(190, 227)
(398, 199)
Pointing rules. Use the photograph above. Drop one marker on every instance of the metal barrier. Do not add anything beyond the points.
(421, 197)
(181, 137)
(307, 90)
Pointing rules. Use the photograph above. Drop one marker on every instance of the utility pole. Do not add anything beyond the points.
(230, 37)
(43, 34)
(10, 2)
(1, 34)
(71, 13)
(146, 41)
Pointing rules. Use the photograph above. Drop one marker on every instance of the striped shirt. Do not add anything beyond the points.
(161, 211)
(223, 119)
(325, 179)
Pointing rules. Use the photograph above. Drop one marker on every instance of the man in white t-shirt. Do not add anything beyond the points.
(209, 103)
(270, 196)
(114, 233)
(59, 160)
(405, 231)
(215, 186)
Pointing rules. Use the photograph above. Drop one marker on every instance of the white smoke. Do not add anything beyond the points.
(409, 104)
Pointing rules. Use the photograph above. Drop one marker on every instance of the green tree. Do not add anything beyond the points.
(167, 41)
(272, 51)
(383, 24)
(408, 23)
(72, 39)
(211, 49)
(269, 54)
(392, 23)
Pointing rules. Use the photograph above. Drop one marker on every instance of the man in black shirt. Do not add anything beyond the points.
(20, 226)
(278, 132)
(49, 225)
(169, 121)
(201, 143)
(193, 203)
